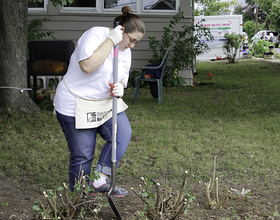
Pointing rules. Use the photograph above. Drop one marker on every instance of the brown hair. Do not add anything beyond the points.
(131, 22)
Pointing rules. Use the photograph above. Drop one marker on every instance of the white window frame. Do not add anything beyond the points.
(140, 9)
(81, 9)
(40, 10)
(118, 10)
(100, 9)
(160, 11)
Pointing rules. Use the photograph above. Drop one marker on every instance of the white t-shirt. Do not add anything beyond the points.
(96, 84)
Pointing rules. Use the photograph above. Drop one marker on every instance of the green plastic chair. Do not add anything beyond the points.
(140, 78)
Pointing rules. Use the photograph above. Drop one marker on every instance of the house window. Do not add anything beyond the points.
(37, 6)
(80, 5)
(116, 5)
(161, 5)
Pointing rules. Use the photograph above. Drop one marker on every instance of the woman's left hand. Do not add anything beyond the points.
(117, 89)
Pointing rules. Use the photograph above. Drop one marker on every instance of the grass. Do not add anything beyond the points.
(236, 117)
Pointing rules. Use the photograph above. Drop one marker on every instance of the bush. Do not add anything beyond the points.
(131, 80)
(232, 46)
(33, 33)
(185, 43)
(258, 48)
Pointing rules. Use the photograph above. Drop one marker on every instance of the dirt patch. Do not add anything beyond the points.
(17, 198)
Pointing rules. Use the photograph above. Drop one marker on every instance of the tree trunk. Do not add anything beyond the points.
(13, 57)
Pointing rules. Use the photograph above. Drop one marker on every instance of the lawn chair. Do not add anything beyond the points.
(152, 79)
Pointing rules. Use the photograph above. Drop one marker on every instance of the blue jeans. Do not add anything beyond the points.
(81, 143)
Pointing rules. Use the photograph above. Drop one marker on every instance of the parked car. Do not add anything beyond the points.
(272, 36)
(245, 37)
(276, 41)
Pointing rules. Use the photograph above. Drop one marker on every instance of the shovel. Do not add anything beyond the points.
(114, 134)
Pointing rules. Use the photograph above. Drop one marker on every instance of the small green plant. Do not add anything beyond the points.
(40, 210)
(266, 183)
(82, 214)
(185, 43)
(150, 196)
(189, 197)
(233, 210)
(6, 204)
(232, 46)
(276, 213)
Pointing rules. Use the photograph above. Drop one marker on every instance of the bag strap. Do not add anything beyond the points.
(78, 96)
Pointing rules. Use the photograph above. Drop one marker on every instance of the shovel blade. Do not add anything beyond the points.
(114, 208)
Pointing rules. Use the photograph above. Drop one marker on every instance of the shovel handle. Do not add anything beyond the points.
(114, 121)
(114, 118)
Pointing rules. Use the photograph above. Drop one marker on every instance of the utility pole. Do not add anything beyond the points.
(257, 15)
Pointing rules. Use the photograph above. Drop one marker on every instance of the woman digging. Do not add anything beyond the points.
(87, 86)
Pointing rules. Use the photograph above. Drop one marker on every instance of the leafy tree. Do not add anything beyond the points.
(214, 7)
(265, 5)
(268, 13)
(274, 16)
(250, 14)
(250, 26)
(271, 9)
(13, 65)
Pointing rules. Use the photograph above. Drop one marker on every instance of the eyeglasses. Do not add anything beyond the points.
(131, 40)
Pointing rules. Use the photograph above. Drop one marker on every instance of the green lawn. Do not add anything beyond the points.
(234, 117)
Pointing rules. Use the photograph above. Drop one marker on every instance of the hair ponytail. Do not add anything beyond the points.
(126, 10)
(131, 22)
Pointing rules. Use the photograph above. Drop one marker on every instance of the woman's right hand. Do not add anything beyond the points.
(117, 89)
(116, 35)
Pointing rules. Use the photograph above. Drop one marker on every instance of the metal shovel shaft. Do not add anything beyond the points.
(114, 134)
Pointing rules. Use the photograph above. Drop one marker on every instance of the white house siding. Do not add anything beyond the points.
(70, 25)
